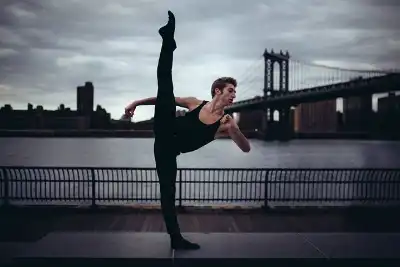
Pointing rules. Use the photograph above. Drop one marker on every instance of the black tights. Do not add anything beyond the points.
(165, 144)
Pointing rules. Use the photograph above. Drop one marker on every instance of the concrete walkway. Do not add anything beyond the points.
(14, 226)
(120, 235)
(152, 249)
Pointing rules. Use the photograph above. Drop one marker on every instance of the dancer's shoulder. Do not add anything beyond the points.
(188, 102)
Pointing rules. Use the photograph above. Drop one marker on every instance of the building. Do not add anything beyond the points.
(85, 98)
(62, 118)
(39, 118)
(388, 115)
(251, 120)
(357, 113)
(389, 104)
(318, 117)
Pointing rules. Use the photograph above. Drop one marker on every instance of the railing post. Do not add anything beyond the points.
(6, 189)
(266, 190)
(93, 188)
(180, 189)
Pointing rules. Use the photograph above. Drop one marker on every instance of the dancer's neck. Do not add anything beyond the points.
(216, 107)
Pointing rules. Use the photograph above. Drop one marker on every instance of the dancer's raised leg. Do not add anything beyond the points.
(165, 145)
(165, 109)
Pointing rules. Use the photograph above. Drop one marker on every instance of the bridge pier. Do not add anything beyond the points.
(276, 129)
(284, 124)
(280, 129)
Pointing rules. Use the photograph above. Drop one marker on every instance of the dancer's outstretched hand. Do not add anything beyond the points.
(130, 109)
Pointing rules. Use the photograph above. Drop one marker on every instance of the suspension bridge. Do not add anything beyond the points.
(287, 82)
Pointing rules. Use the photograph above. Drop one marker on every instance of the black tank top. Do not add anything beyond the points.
(193, 134)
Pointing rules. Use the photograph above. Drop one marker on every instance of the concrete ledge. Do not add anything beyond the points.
(200, 209)
(235, 249)
(8, 250)
(206, 262)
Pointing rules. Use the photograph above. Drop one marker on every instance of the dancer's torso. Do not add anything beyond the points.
(191, 133)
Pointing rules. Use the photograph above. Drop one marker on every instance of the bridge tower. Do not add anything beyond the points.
(280, 129)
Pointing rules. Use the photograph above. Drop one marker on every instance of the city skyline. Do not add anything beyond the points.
(49, 48)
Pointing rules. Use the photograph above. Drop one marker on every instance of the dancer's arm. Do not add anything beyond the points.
(231, 129)
(185, 102)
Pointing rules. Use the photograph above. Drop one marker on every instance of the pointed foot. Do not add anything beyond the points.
(183, 244)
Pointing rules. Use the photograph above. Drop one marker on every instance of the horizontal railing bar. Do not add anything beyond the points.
(49, 184)
(197, 169)
(210, 182)
(209, 199)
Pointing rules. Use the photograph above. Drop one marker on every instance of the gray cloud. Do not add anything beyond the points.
(49, 47)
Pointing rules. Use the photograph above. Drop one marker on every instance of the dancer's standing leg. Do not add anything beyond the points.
(164, 145)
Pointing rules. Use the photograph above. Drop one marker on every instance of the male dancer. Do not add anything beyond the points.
(204, 122)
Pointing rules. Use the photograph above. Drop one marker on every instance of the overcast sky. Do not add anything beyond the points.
(49, 47)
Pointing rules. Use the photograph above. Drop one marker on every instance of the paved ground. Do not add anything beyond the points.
(30, 224)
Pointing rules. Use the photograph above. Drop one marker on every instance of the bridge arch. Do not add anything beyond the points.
(276, 115)
(276, 68)
(236, 116)
(276, 72)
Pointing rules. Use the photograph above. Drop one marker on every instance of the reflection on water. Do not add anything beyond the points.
(135, 152)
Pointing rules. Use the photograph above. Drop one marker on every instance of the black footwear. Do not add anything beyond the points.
(167, 32)
(183, 244)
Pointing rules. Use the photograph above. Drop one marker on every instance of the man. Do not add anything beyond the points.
(204, 122)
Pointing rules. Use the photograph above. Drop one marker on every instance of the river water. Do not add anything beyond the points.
(137, 152)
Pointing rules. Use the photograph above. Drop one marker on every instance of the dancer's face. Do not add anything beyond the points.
(228, 95)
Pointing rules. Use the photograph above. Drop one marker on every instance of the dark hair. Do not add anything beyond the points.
(221, 82)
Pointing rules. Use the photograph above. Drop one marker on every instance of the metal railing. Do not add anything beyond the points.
(200, 186)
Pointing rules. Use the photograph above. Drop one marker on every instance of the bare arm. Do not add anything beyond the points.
(185, 102)
(231, 129)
